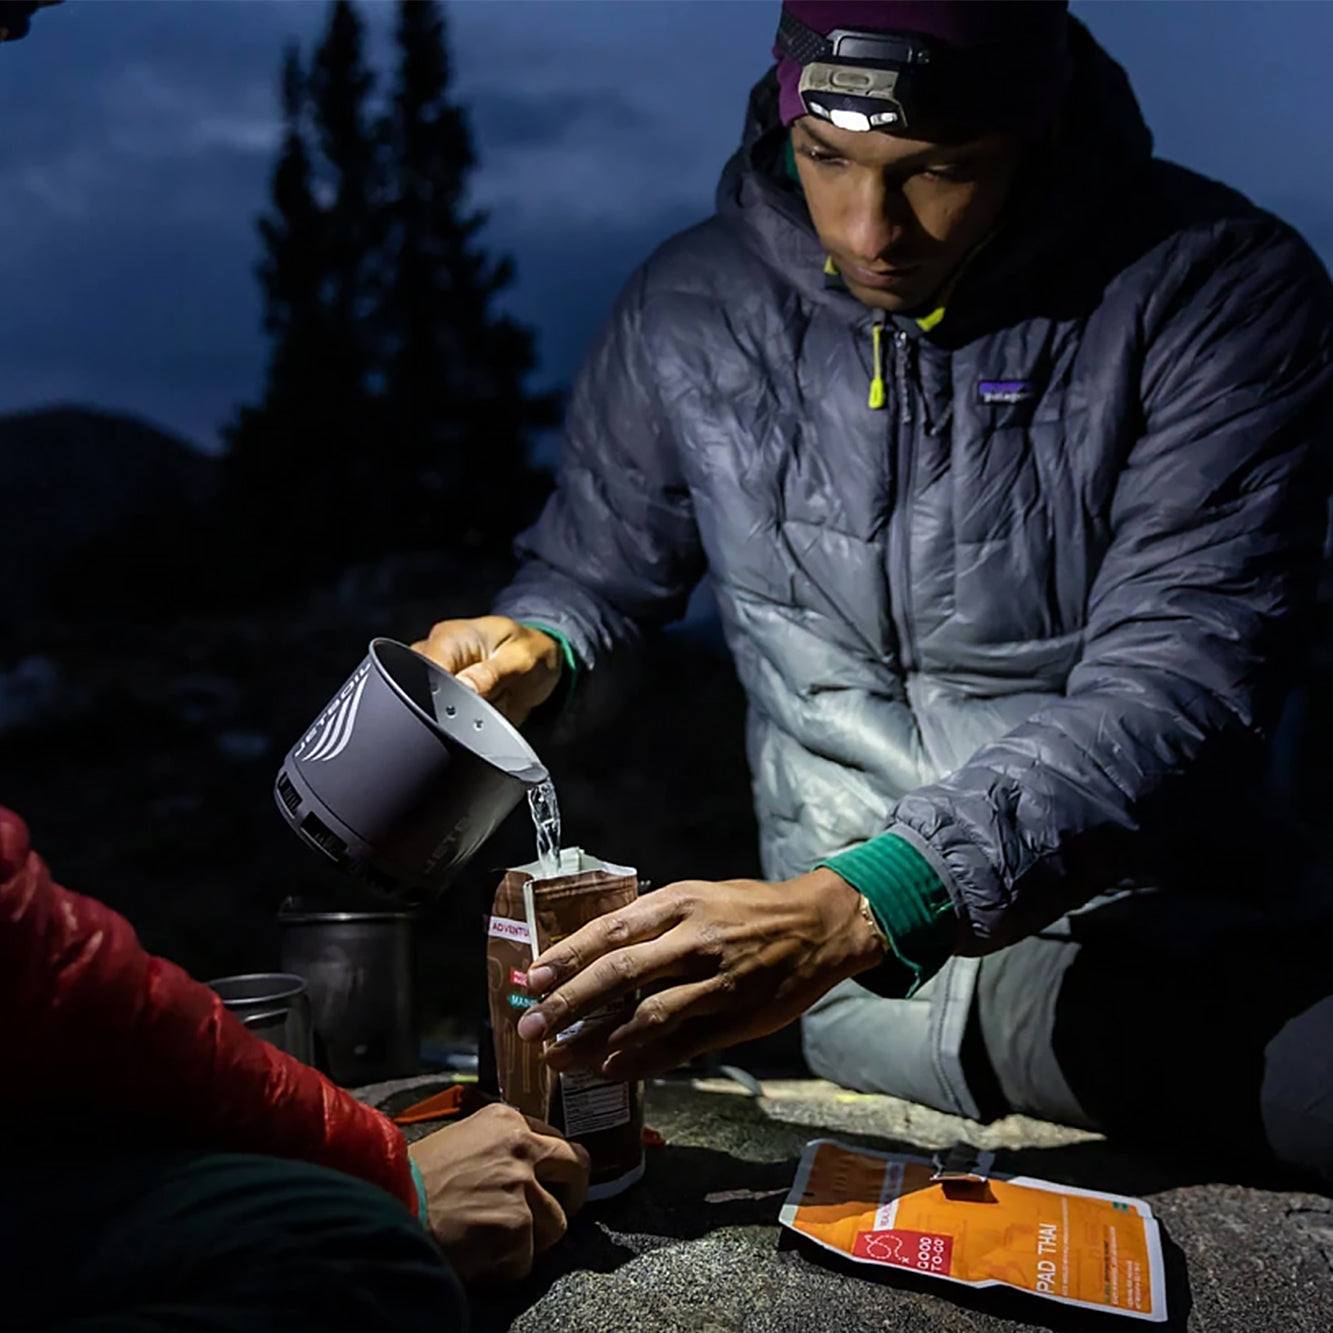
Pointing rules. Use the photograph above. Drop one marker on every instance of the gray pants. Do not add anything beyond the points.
(1124, 1018)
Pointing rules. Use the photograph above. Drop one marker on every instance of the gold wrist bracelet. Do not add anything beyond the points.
(880, 933)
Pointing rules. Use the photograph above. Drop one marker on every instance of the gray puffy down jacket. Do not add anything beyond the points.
(1038, 612)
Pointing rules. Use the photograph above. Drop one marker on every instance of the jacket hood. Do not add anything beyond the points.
(1061, 198)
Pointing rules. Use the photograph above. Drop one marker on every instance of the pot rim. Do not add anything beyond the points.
(297, 985)
(304, 918)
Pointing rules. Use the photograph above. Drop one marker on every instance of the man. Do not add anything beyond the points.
(163, 1168)
(1005, 445)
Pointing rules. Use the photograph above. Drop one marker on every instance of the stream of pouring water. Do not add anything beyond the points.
(546, 819)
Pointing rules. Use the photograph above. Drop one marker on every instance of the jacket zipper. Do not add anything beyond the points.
(900, 570)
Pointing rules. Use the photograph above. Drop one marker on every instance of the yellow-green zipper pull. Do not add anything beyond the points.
(877, 384)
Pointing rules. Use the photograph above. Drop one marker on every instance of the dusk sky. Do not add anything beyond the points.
(136, 138)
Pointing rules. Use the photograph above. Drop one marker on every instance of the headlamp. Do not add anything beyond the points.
(869, 79)
(857, 79)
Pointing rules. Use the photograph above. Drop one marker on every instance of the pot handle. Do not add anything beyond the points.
(250, 1020)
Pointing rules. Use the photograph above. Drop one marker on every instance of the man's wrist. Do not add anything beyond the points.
(909, 902)
(859, 943)
(567, 665)
(876, 930)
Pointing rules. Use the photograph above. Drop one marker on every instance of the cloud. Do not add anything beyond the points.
(579, 271)
(127, 200)
(137, 145)
(506, 120)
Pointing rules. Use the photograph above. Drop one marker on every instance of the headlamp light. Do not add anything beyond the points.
(856, 79)
(867, 79)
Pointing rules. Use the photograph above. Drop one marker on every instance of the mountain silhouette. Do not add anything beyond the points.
(74, 478)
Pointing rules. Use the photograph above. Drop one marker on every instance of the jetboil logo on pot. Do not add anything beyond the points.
(328, 738)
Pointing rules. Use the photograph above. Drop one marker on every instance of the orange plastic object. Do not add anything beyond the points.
(652, 1139)
(1078, 1247)
(439, 1107)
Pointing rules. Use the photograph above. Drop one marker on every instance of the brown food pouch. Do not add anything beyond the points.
(606, 1117)
(525, 1082)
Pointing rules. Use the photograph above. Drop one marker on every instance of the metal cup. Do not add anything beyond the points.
(404, 774)
(359, 970)
(274, 1006)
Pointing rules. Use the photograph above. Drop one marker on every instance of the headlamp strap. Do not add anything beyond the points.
(800, 43)
(805, 46)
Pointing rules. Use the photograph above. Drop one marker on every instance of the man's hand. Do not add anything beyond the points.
(508, 664)
(721, 963)
(501, 1189)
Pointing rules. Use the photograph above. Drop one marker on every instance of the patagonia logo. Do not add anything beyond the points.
(1006, 391)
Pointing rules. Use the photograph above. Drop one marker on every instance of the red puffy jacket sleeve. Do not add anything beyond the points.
(86, 1011)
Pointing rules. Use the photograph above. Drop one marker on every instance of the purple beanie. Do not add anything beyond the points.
(1027, 27)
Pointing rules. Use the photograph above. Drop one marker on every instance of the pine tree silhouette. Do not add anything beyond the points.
(274, 445)
(458, 413)
(353, 214)
(394, 414)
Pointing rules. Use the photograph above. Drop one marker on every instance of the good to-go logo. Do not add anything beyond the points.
(923, 1251)
(328, 738)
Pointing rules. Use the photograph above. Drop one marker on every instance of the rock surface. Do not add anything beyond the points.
(1242, 1256)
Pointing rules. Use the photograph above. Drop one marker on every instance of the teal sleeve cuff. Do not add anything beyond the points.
(568, 657)
(423, 1204)
(908, 900)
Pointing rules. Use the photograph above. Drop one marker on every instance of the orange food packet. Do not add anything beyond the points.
(1078, 1247)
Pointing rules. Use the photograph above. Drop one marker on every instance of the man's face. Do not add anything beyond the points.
(898, 215)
